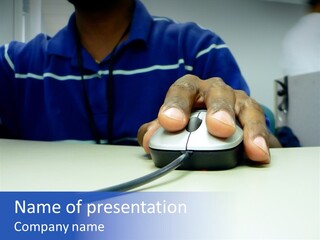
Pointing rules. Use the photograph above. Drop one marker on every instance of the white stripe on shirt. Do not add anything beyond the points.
(213, 46)
(6, 55)
(115, 72)
(105, 72)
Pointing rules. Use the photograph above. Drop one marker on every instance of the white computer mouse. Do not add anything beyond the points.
(208, 152)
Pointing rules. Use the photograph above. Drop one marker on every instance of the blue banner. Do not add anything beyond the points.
(101, 215)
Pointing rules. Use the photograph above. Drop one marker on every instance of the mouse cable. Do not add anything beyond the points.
(126, 186)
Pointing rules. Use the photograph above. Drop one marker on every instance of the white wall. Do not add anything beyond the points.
(55, 14)
(253, 29)
(19, 19)
(33, 18)
(6, 21)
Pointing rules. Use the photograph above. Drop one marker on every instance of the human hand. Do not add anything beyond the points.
(223, 104)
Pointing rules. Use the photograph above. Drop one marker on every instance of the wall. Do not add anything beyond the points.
(55, 14)
(6, 20)
(33, 18)
(19, 19)
(253, 29)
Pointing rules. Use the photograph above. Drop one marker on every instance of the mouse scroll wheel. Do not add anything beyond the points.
(194, 124)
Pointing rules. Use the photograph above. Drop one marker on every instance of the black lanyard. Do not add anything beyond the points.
(109, 91)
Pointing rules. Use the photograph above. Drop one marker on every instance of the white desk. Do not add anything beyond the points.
(279, 201)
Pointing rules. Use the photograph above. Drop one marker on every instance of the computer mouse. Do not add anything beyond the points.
(208, 152)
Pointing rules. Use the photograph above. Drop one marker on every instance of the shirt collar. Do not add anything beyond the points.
(141, 23)
(64, 42)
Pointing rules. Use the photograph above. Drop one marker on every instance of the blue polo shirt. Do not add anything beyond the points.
(42, 91)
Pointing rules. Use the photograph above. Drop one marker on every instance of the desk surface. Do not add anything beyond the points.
(284, 195)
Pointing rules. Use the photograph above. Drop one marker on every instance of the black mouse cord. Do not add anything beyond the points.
(123, 187)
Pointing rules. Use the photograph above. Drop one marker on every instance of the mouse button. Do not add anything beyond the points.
(193, 124)
(194, 114)
(202, 115)
(237, 137)
(199, 114)
(202, 140)
(164, 140)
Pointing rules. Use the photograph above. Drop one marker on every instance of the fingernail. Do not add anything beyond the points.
(261, 143)
(224, 117)
(174, 113)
